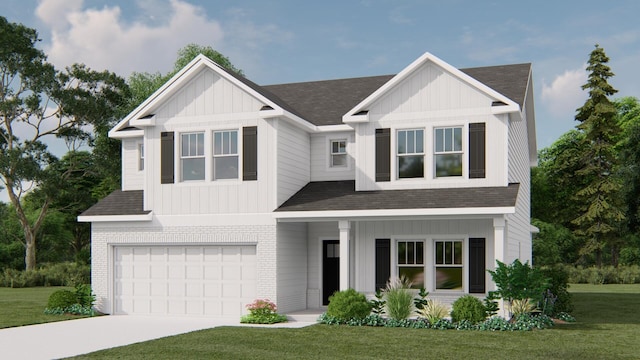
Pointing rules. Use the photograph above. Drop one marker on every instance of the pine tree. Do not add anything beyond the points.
(601, 213)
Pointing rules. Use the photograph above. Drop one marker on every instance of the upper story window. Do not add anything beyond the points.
(410, 147)
(225, 154)
(338, 153)
(448, 151)
(140, 157)
(192, 156)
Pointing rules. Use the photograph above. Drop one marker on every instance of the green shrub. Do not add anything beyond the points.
(377, 305)
(623, 274)
(433, 311)
(399, 299)
(62, 299)
(59, 274)
(556, 298)
(84, 295)
(519, 281)
(348, 304)
(468, 308)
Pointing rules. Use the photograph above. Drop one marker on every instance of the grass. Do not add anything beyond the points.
(26, 306)
(607, 328)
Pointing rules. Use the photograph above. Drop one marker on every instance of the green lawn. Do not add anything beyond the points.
(607, 328)
(26, 306)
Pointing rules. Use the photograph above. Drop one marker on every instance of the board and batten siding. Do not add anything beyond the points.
(132, 176)
(293, 160)
(321, 157)
(209, 103)
(291, 264)
(368, 231)
(429, 98)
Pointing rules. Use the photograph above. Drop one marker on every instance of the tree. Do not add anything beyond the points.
(601, 215)
(39, 102)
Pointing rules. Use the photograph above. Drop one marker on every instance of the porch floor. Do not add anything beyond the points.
(307, 315)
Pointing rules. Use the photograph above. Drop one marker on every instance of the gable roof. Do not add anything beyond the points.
(331, 196)
(320, 103)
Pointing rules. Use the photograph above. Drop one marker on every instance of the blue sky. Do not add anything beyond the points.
(295, 40)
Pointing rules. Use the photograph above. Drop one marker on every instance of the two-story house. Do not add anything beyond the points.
(233, 191)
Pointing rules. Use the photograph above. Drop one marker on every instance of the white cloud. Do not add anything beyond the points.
(564, 95)
(101, 39)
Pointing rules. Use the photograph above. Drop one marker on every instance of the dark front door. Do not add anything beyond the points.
(330, 269)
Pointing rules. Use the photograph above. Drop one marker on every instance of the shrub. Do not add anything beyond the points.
(262, 311)
(519, 281)
(399, 299)
(490, 304)
(59, 274)
(522, 306)
(421, 300)
(348, 304)
(61, 299)
(557, 297)
(377, 305)
(84, 295)
(468, 308)
(433, 311)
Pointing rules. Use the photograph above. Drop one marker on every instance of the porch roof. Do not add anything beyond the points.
(332, 196)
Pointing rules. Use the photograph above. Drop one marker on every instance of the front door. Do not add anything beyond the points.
(330, 269)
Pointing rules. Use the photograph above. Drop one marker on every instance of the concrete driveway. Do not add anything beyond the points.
(75, 337)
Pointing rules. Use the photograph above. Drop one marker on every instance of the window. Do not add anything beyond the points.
(225, 155)
(192, 156)
(140, 157)
(411, 262)
(410, 153)
(338, 153)
(448, 264)
(448, 151)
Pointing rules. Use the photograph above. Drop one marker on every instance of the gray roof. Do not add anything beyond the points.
(325, 102)
(118, 203)
(341, 195)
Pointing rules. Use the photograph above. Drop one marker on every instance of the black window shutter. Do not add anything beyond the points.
(477, 270)
(477, 151)
(250, 153)
(166, 158)
(383, 154)
(383, 262)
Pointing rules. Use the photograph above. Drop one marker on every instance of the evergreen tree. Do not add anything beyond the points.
(601, 214)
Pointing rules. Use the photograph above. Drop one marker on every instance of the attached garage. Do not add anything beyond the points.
(211, 281)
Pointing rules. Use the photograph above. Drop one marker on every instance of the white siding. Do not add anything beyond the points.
(132, 176)
(293, 160)
(291, 267)
(321, 153)
(519, 243)
(104, 236)
(430, 98)
(369, 231)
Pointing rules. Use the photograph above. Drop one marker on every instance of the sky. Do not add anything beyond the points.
(295, 40)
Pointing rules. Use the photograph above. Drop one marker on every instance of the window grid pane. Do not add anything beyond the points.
(225, 155)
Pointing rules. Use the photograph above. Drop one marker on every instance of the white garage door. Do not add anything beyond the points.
(184, 280)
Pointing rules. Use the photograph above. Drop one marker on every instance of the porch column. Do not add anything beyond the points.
(499, 240)
(344, 227)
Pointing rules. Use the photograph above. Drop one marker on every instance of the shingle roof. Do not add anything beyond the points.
(118, 203)
(325, 102)
(341, 195)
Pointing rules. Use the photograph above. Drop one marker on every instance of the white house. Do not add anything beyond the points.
(233, 191)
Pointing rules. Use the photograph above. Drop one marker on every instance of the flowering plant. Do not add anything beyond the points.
(262, 311)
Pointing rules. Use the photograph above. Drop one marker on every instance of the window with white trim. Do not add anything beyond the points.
(192, 156)
(225, 155)
(338, 153)
(410, 261)
(448, 264)
(448, 151)
(140, 157)
(410, 151)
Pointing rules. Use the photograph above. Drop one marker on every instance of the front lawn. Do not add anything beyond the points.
(607, 328)
(25, 306)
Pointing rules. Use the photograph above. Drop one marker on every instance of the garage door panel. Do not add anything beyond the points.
(184, 280)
